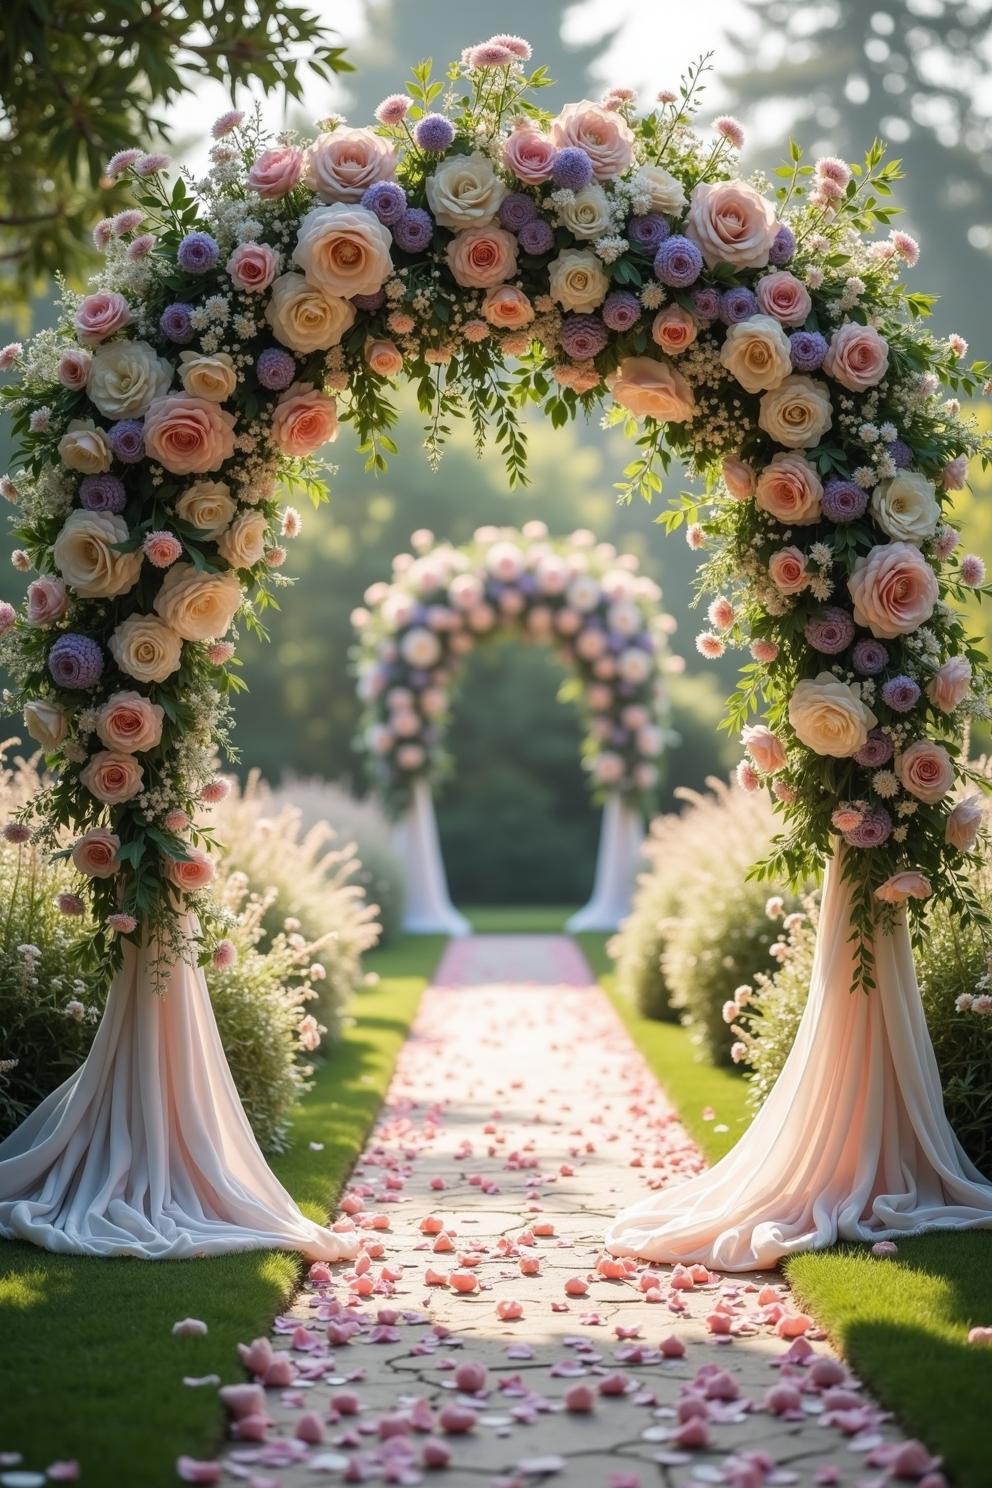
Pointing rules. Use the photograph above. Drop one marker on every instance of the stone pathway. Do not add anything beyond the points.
(484, 1337)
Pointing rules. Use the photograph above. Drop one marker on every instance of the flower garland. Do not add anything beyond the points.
(587, 599)
(496, 256)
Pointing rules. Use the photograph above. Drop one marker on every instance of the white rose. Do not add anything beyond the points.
(420, 648)
(797, 413)
(578, 280)
(465, 191)
(304, 318)
(46, 722)
(125, 377)
(756, 353)
(667, 194)
(211, 377)
(84, 555)
(906, 507)
(829, 717)
(587, 215)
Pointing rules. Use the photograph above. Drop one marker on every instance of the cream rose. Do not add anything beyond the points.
(829, 717)
(950, 684)
(211, 377)
(926, 771)
(198, 606)
(965, 823)
(797, 412)
(146, 649)
(304, 318)
(84, 447)
(756, 353)
(604, 134)
(303, 420)
(464, 191)
(667, 194)
(674, 329)
(587, 214)
(113, 778)
(208, 506)
(894, 590)
(342, 165)
(577, 280)
(507, 308)
(787, 570)
(344, 250)
(243, 544)
(188, 435)
(903, 886)
(732, 224)
(125, 377)
(651, 386)
(765, 748)
(479, 257)
(84, 555)
(906, 507)
(46, 722)
(384, 357)
(790, 490)
(784, 297)
(128, 723)
(857, 357)
(95, 853)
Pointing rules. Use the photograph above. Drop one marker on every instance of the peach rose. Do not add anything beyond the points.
(651, 387)
(605, 136)
(101, 315)
(787, 570)
(113, 778)
(765, 748)
(797, 413)
(276, 172)
(829, 717)
(529, 155)
(756, 353)
(894, 590)
(738, 477)
(47, 601)
(790, 490)
(507, 308)
(211, 377)
(857, 357)
(344, 250)
(732, 224)
(84, 447)
(674, 329)
(188, 435)
(85, 556)
(146, 649)
(303, 420)
(95, 853)
(252, 267)
(342, 165)
(128, 723)
(198, 606)
(667, 194)
(208, 506)
(464, 191)
(950, 684)
(482, 256)
(242, 545)
(903, 886)
(965, 823)
(195, 873)
(384, 357)
(784, 297)
(926, 771)
(577, 280)
(125, 377)
(46, 722)
(304, 317)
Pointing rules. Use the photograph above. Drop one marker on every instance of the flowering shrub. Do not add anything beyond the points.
(585, 598)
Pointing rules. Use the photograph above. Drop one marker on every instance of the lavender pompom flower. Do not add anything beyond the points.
(737, 305)
(176, 323)
(807, 350)
(516, 210)
(621, 310)
(900, 454)
(901, 693)
(876, 750)
(830, 631)
(414, 230)
(583, 336)
(678, 262)
(76, 661)
(874, 829)
(433, 133)
(387, 200)
(102, 493)
(276, 369)
(648, 232)
(571, 169)
(869, 657)
(843, 501)
(536, 237)
(706, 303)
(127, 440)
(198, 253)
(783, 246)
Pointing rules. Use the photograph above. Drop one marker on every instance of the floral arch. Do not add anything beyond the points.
(605, 621)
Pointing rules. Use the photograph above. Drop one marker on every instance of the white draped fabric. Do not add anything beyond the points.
(146, 1150)
(428, 910)
(621, 839)
(852, 1142)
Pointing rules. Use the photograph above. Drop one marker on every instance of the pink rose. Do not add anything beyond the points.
(732, 224)
(188, 435)
(275, 172)
(790, 490)
(113, 778)
(303, 420)
(903, 886)
(252, 267)
(95, 853)
(101, 315)
(529, 155)
(950, 684)
(650, 386)
(74, 368)
(47, 601)
(787, 570)
(894, 590)
(857, 358)
(195, 873)
(765, 748)
(342, 165)
(384, 357)
(926, 771)
(605, 136)
(784, 297)
(481, 256)
(738, 478)
(955, 473)
(965, 823)
(129, 723)
(507, 308)
(674, 329)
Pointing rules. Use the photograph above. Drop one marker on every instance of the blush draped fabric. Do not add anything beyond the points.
(146, 1150)
(852, 1142)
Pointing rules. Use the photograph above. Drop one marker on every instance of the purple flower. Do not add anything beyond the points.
(678, 262)
(127, 440)
(433, 133)
(648, 232)
(536, 237)
(900, 454)
(369, 301)
(807, 349)
(874, 829)
(197, 253)
(76, 661)
(869, 657)
(102, 493)
(876, 750)
(276, 368)
(830, 631)
(737, 305)
(783, 246)
(706, 303)
(901, 693)
(176, 323)
(387, 200)
(621, 310)
(843, 501)
(415, 228)
(516, 209)
(572, 168)
(583, 336)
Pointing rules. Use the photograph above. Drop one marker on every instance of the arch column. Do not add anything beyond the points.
(621, 837)
(429, 910)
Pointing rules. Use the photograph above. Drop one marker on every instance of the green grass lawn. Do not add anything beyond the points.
(529, 919)
(88, 1366)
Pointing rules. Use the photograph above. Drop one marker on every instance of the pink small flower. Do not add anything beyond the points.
(70, 904)
(907, 248)
(292, 522)
(695, 536)
(220, 653)
(125, 222)
(152, 165)
(225, 954)
(731, 130)
(74, 368)
(309, 1032)
(846, 818)
(955, 473)
(721, 613)
(40, 420)
(227, 123)
(764, 651)
(958, 344)
(747, 776)
(946, 541)
(122, 161)
(20, 560)
(829, 168)
(66, 1471)
(140, 247)
(394, 109)
(520, 48)
(102, 234)
(16, 833)
(276, 557)
(7, 616)
(490, 54)
(214, 791)
(785, 792)
(176, 820)
(9, 355)
(122, 924)
(162, 549)
(710, 646)
(972, 571)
